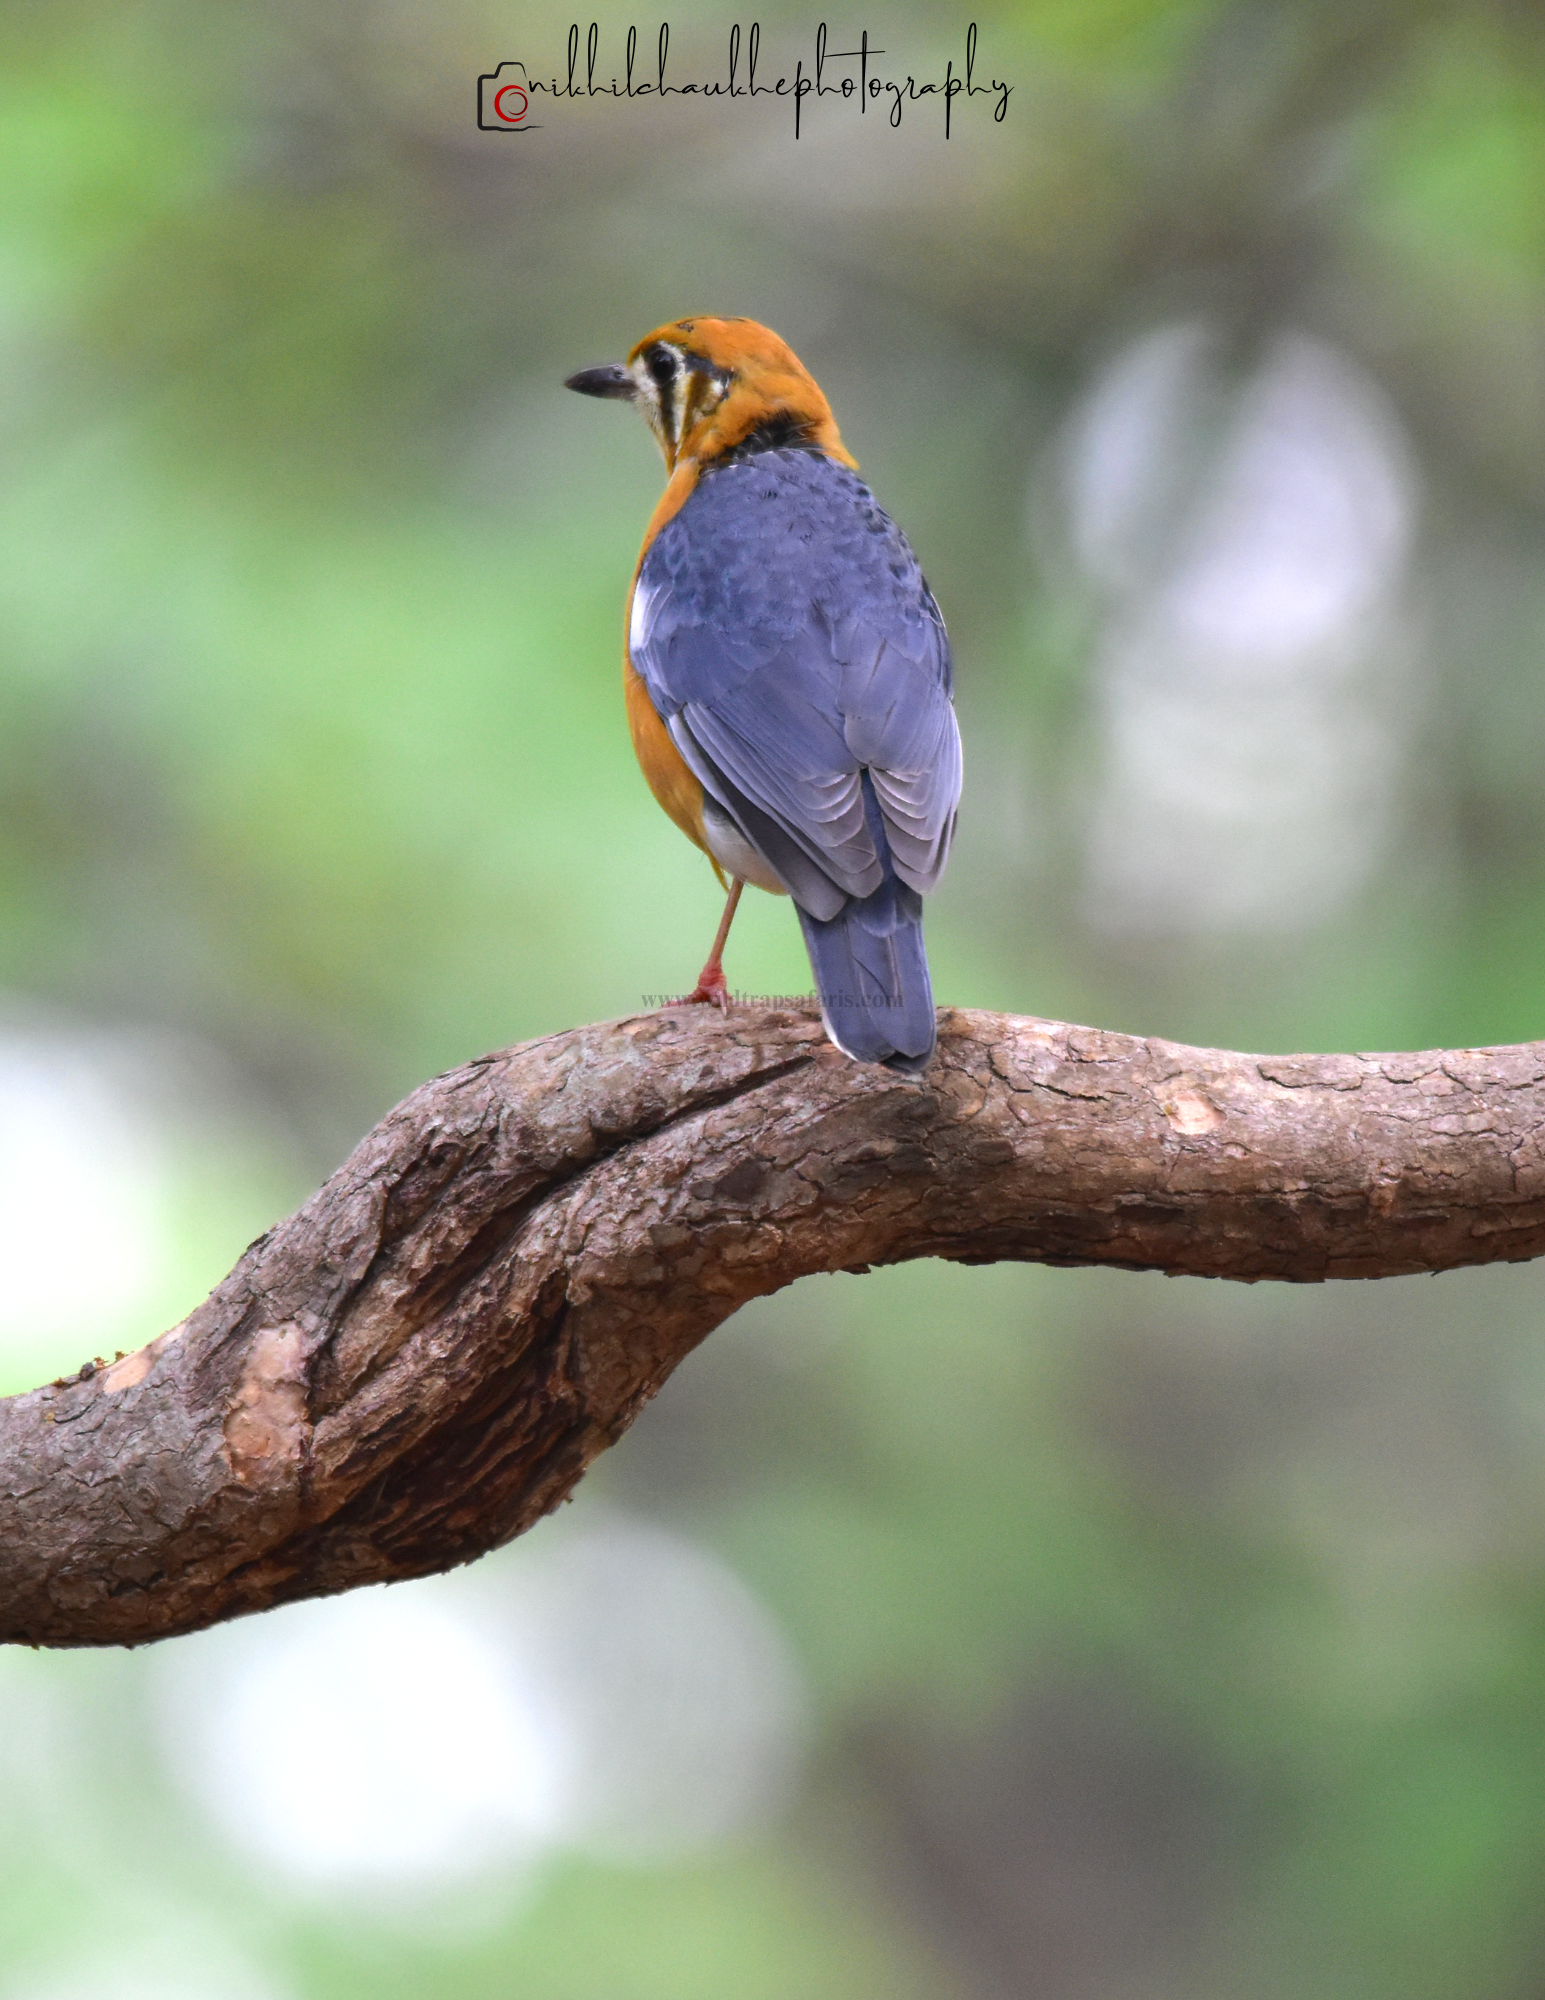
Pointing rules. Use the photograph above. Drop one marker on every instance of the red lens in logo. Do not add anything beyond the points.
(501, 108)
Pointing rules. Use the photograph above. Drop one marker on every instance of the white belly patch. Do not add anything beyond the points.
(734, 853)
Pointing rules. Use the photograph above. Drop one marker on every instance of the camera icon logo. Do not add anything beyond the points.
(503, 99)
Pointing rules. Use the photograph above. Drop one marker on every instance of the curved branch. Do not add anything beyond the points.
(424, 1359)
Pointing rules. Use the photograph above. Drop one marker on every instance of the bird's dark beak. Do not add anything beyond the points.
(610, 380)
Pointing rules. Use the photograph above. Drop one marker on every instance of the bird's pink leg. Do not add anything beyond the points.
(711, 985)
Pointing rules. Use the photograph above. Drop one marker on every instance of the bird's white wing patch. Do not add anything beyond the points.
(641, 620)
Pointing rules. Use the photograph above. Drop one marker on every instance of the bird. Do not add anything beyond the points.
(787, 675)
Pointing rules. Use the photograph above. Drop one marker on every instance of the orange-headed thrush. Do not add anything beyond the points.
(788, 675)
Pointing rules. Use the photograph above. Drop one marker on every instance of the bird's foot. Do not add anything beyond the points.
(712, 988)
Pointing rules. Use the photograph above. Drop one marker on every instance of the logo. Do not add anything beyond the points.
(503, 99)
(505, 96)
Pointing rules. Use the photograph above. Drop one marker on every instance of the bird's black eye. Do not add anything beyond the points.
(661, 364)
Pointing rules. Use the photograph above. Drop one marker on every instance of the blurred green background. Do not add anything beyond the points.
(961, 1633)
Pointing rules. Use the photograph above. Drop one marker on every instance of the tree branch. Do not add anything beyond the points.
(424, 1359)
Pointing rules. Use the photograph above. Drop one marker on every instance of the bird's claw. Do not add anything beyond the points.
(712, 989)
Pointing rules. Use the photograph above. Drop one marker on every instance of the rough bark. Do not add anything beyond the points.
(424, 1359)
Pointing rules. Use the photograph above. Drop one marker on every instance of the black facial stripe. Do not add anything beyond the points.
(705, 386)
(710, 371)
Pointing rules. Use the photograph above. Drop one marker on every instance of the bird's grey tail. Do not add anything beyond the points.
(871, 972)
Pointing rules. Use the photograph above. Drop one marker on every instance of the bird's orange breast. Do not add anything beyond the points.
(664, 768)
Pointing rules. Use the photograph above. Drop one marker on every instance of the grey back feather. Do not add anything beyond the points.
(789, 641)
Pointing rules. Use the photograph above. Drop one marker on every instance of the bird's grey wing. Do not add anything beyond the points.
(788, 640)
(899, 723)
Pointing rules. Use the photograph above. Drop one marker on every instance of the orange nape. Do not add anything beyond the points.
(741, 377)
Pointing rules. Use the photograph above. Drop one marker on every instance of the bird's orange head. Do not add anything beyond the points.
(705, 386)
